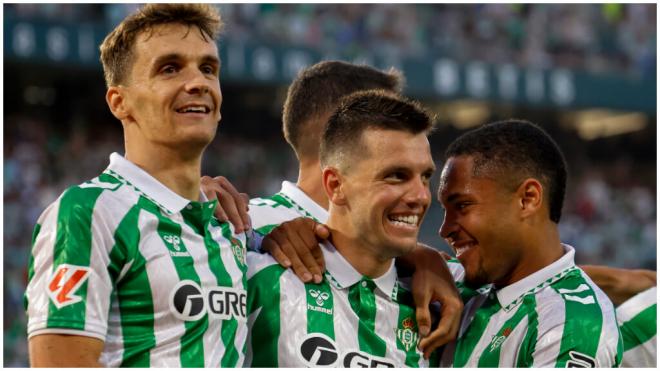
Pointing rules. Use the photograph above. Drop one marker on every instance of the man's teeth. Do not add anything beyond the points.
(462, 249)
(196, 109)
(405, 219)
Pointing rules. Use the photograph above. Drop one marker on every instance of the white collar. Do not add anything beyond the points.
(509, 296)
(297, 196)
(146, 184)
(342, 275)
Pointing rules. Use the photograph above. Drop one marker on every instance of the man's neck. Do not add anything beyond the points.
(363, 259)
(310, 182)
(543, 248)
(180, 174)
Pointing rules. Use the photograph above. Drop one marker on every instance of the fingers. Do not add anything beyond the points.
(270, 245)
(447, 329)
(322, 231)
(302, 238)
(233, 204)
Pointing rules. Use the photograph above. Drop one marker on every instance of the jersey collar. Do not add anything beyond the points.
(511, 295)
(341, 274)
(295, 194)
(146, 184)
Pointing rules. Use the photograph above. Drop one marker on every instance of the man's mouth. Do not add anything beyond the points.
(194, 109)
(461, 248)
(411, 220)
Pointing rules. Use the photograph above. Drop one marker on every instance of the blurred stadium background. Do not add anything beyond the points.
(586, 73)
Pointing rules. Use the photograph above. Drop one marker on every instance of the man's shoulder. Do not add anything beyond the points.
(574, 298)
(261, 262)
(267, 213)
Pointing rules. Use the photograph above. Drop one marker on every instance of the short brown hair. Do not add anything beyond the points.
(117, 48)
(372, 109)
(316, 92)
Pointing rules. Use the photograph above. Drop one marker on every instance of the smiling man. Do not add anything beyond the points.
(131, 268)
(502, 188)
(376, 164)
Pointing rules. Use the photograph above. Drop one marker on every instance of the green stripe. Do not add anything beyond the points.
(320, 308)
(192, 345)
(229, 327)
(73, 243)
(363, 303)
(406, 336)
(583, 322)
(264, 230)
(465, 345)
(133, 291)
(528, 346)
(640, 328)
(264, 293)
(491, 355)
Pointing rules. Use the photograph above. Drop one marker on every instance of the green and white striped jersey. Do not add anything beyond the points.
(124, 259)
(638, 324)
(346, 321)
(556, 317)
(288, 204)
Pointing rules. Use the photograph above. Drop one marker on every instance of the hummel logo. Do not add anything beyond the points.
(175, 241)
(320, 296)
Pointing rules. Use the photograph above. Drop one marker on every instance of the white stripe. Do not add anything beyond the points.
(643, 355)
(264, 215)
(346, 323)
(588, 300)
(387, 315)
(160, 269)
(551, 311)
(635, 305)
(42, 252)
(511, 347)
(581, 288)
(249, 355)
(293, 319)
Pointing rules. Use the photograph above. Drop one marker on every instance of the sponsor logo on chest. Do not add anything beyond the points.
(319, 350)
(189, 302)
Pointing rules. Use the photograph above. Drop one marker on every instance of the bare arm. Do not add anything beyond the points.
(620, 284)
(56, 350)
(432, 281)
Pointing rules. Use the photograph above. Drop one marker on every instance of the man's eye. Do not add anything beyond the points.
(169, 69)
(208, 70)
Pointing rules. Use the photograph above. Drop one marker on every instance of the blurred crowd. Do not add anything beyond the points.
(596, 37)
(608, 221)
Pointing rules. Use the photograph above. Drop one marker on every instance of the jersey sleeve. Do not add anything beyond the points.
(69, 284)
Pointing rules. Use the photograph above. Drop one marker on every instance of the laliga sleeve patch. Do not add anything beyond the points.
(64, 282)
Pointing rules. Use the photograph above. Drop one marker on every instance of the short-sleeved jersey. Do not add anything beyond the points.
(288, 204)
(124, 259)
(348, 320)
(556, 317)
(637, 319)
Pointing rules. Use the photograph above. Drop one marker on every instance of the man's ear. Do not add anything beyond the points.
(115, 99)
(332, 183)
(530, 195)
